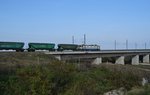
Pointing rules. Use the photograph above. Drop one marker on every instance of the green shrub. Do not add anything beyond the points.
(39, 80)
(64, 79)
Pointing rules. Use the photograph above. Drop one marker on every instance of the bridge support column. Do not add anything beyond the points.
(58, 57)
(120, 60)
(146, 58)
(135, 60)
(97, 61)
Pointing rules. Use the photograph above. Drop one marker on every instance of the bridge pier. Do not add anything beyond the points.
(97, 61)
(135, 60)
(58, 57)
(146, 59)
(120, 60)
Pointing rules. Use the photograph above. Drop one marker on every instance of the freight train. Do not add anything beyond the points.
(19, 47)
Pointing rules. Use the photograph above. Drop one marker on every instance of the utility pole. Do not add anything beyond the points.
(84, 39)
(135, 45)
(126, 44)
(72, 39)
(145, 45)
(115, 45)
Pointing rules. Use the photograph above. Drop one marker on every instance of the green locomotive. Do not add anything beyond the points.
(18, 46)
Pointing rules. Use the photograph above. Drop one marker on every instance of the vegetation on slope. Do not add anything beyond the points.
(53, 77)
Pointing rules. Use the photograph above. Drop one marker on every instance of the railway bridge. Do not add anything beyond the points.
(136, 56)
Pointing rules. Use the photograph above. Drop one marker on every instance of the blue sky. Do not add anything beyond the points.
(56, 21)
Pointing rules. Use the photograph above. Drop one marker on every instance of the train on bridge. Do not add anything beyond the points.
(19, 47)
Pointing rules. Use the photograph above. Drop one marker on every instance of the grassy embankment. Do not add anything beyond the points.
(39, 74)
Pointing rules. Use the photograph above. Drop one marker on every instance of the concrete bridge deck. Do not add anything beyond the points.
(100, 52)
(119, 55)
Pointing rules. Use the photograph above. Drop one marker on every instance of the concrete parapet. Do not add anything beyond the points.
(146, 59)
(97, 61)
(120, 60)
(135, 60)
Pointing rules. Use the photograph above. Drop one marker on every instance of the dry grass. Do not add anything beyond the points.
(9, 61)
(130, 69)
(24, 57)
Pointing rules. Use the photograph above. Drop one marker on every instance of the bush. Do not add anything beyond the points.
(39, 80)
(64, 79)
